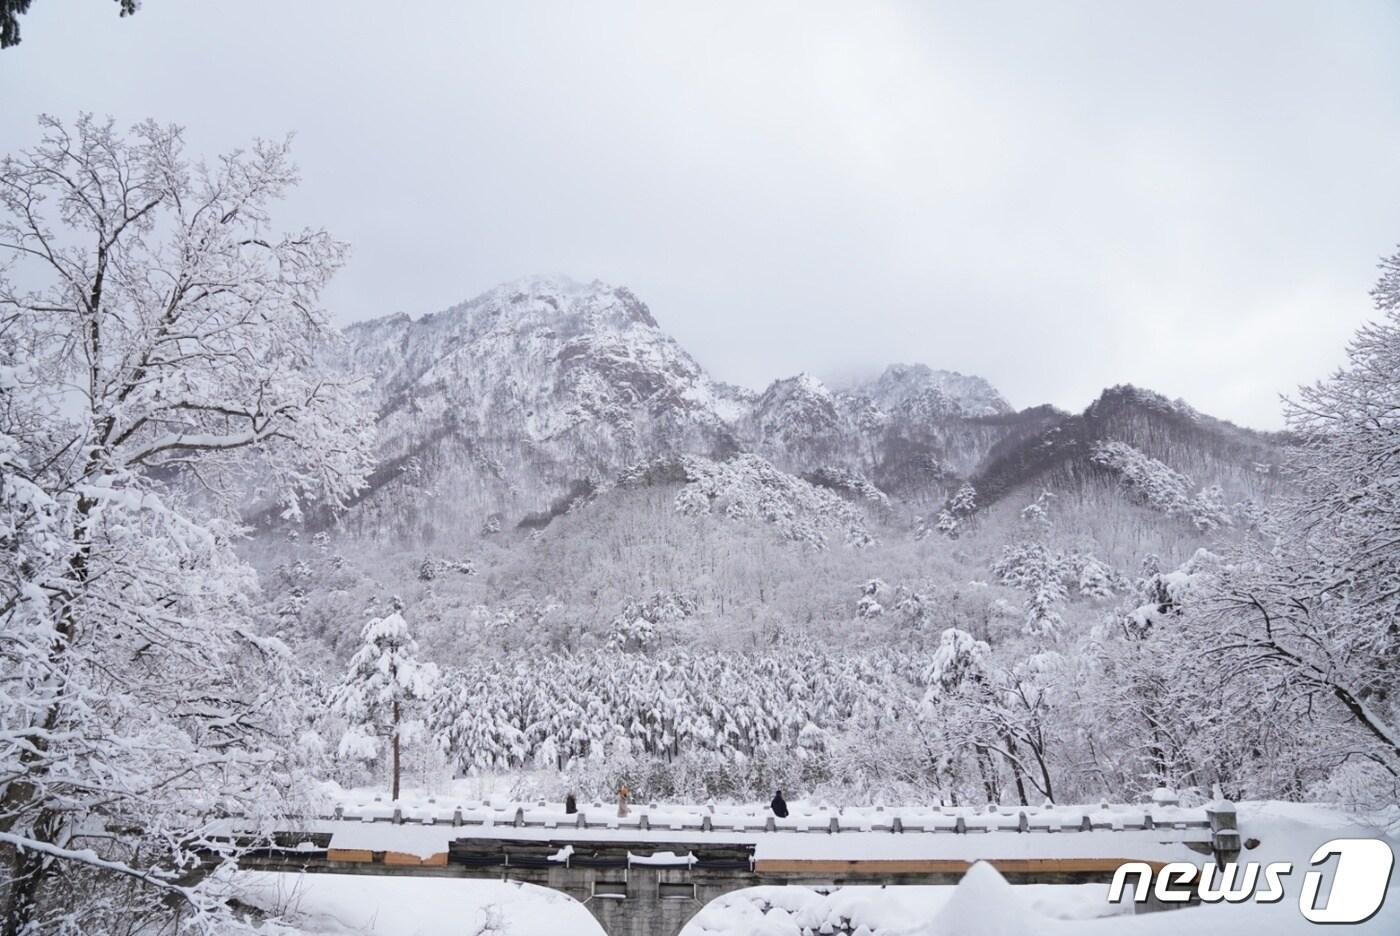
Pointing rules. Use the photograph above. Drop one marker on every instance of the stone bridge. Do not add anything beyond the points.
(647, 874)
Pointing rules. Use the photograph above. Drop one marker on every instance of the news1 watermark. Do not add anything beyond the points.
(1357, 881)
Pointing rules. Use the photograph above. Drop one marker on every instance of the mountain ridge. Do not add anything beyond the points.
(503, 404)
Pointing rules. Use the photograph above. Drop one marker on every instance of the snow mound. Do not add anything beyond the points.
(984, 904)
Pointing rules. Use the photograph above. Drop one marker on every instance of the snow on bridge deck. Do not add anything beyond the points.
(1159, 831)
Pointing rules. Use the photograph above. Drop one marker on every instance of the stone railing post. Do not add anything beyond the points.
(1224, 830)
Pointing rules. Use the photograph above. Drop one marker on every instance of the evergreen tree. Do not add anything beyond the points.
(383, 686)
(964, 502)
(1034, 568)
(11, 10)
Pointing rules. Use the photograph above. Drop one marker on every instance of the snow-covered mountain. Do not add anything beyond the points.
(581, 367)
(916, 392)
(510, 407)
(500, 403)
(801, 423)
(910, 429)
(1068, 450)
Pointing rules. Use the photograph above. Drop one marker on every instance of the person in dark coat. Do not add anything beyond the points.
(570, 804)
(779, 805)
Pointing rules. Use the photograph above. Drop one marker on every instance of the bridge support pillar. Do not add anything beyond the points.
(641, 900)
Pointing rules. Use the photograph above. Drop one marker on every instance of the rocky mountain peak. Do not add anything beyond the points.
(921, 391)
(535, 300)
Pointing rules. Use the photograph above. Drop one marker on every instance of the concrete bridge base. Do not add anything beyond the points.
(638, 901)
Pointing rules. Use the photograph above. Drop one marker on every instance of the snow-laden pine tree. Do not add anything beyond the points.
(964, 502)
(382, 691)
(159, 348)
(959, 695)
(1034, 568)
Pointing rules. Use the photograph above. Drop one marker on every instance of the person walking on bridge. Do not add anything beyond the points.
(622, 796)
(779, 805)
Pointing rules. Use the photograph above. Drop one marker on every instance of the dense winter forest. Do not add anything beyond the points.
(241, 551)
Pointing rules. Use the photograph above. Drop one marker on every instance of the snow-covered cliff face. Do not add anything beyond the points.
(917, 393)
(500, 404)
(800, 424)
(582, 368)
(910, 429)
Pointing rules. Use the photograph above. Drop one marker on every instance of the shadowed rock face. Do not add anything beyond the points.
(1059, 451)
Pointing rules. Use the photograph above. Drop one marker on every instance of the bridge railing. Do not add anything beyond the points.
(1158, 815)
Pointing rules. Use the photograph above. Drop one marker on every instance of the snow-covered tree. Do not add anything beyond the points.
(1047, 595)
(964, 502)
(632, 629)
(872, 595)
(958, 513)
(1314, 610)
(947, 524)
(1163, 488)
(915, 606)
(1034, 568)
(1096, 578)
(640, 624)
(384, 687)
(1036, 515)
(1136, 707)
(960, 660)
(159, 348)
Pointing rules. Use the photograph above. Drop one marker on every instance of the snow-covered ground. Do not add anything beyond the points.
(981, 905)
(383, 906)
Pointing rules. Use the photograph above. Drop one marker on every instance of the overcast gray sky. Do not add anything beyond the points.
(1186, 196)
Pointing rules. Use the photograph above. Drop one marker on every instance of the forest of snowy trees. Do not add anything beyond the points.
(193, 624)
